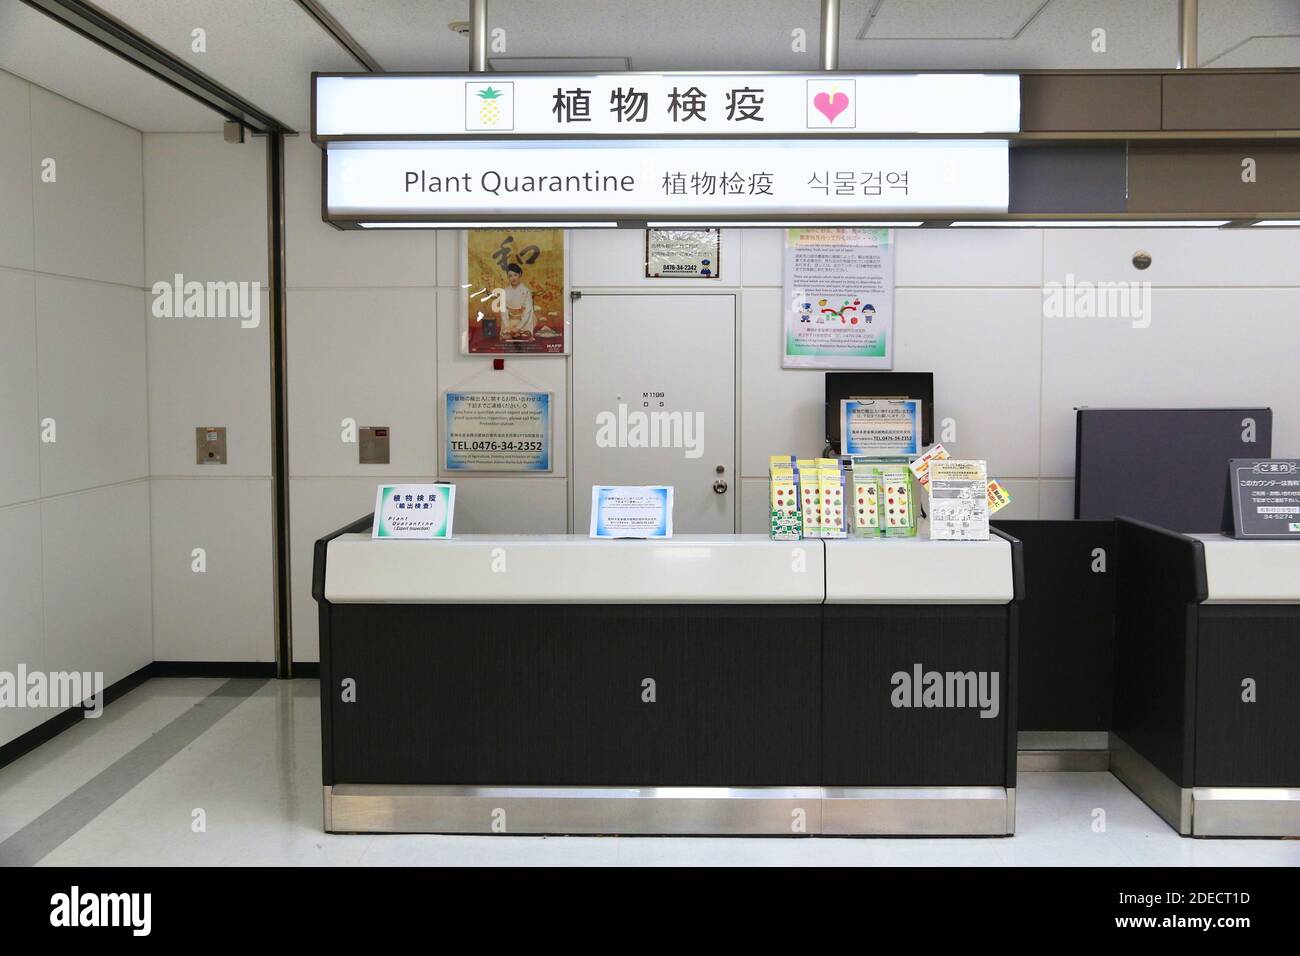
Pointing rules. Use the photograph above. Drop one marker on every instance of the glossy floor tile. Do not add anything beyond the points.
(241, 785)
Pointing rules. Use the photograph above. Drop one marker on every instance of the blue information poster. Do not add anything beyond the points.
(497, 431)
(871, 427)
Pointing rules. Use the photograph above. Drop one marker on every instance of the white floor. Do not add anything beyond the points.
(255, 777)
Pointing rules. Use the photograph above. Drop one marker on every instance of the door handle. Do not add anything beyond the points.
(720, 487)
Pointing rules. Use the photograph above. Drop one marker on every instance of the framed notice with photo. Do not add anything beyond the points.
(516, 296)
(683, 253)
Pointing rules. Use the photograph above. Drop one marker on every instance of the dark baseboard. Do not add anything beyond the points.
(44, 732)
(213, 669)
(69, 718)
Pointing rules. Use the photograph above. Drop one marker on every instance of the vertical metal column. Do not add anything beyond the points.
(478, 36)
(1187, 30)
(279, 403)
(830, 34)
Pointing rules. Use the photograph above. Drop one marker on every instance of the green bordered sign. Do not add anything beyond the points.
(414, 511)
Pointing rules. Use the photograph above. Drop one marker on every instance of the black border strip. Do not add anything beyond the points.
(276, 281)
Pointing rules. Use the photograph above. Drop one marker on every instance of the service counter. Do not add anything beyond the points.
(703, 684)
(1207, 680)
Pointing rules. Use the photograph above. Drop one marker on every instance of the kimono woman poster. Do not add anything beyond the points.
(517, 292)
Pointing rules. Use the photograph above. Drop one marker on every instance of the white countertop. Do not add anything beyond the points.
(685, 569)
(574, 569)
(918, 571)
(1247, 571)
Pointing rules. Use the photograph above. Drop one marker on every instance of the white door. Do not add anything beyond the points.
(654, 402)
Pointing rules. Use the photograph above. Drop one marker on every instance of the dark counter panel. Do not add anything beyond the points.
(552, 695)
(1160, 579)
(868, 742)
(1067, 624)
(1241, 744)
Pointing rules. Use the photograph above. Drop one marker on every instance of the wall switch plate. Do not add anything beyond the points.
(210, 445)
(372, 445)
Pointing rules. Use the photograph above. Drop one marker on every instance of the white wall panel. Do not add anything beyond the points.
(21, 637)
(96, 572)
(17, 175)
(781, 411)
(762, 256)
(19, 439)
(968, 257)
(521, 373)
(755, 516)
(318, 506)
(210, 372)
(91, 363)
(616, 257)
(984, 350)
(90, 221)
(1202, 349)
(1025, 498)
(204, 208)
(511, 506)
(225, 613)
(1179, 257)
(366, 354)
(1055, 499)
(317, 254)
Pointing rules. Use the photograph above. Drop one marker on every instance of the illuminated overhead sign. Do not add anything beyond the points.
(663, 179)
(730, 147)
(692, 105)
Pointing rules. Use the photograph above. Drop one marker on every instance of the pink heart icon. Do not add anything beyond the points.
(831, 106)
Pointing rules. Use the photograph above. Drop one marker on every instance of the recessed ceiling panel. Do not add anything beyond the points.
(946, 19)
(407, 35)
(45, 52)
(263, 50)
(1009, 34)
(1263, 33)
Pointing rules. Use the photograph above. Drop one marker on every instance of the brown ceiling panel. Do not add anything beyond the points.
(1181, 178)
(1067, 102)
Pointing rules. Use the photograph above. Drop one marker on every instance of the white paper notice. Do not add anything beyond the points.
(638, 511)
(959, 500)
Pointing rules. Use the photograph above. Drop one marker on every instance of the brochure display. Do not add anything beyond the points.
(839, 295)
(959, 500)
(631, 511)
(414, 511)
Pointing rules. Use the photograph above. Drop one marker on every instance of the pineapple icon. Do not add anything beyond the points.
(489, 111)
(489, 106)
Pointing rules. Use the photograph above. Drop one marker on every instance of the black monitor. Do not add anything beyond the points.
(846, 385)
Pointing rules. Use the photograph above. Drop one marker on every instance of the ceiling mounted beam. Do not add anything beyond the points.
(115, 36)
(339, 34)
